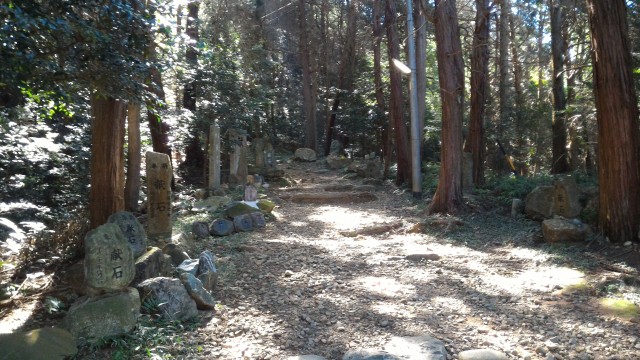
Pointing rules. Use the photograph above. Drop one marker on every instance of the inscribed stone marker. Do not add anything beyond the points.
(132, 230)
(108, 263)
(214, 157)
(159, 197)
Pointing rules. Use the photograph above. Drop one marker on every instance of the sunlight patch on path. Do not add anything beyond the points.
(385, 286)
(340, 218)
(541, 279)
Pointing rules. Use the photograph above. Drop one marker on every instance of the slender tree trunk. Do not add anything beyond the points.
(308, 105)
(346, 64)
(540, 50)
(617, 108)
(384, 126)
(448, 196)
(479, 72)
(560, 161)
(189, 98)
(134, 158)
(395, 109)
(420, 11)
(503, 61)
(107, 168)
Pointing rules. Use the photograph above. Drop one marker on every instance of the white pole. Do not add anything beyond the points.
(416, 178)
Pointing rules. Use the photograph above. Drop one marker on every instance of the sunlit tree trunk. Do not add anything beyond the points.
(107, 169)
(395, 108)
(448, 196)
(617, 112)
(479, 71)
(560, 161)
(132, 184)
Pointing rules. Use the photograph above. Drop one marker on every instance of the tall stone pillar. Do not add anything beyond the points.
(158, 197)
(214, 157)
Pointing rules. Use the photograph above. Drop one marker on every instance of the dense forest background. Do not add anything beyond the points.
(298, 72)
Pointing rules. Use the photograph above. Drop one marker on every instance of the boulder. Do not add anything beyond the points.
(566, 200)
(38, 344)
(152, 264)
(305, 154)
(239, 208)
(189, 266)
(200, 229)
(243, 223)
(176, 253)
(482, 354)
(266, 205)
(539, 203)
(250, 193)
(417, 348)
(132, 229)
(370, 169)
(221, 227)
(258, 220)
(195, 289)
(211, 203)
(517, 207)
(91, 319)
(336, 148)
(207, 272)
(170, 296)
(562, 230)
(108, 262)
(335, 161)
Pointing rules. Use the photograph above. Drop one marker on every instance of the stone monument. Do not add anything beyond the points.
(159, 197)
(108, 262)
(132, 230)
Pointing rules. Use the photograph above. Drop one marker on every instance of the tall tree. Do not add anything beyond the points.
(560, 161)
(189, 98)
(617, 112)
(134, 158)
(346, 64)
(308, 94)
(420, 24)
(479, 72)
(107, 138)
(448, 196)
(503, 64)
(384, 127)
(395, 107)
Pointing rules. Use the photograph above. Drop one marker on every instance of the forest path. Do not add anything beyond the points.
(301, 287)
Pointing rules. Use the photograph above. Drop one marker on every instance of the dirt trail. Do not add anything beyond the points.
(300, 287)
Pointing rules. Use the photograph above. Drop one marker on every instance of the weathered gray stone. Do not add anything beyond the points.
(539, 203)
(243, 223)
(306, 357)
(239, 208)
(214, 156)
(417, 348)
(305, 154)
(207, 272)
(517, 207)
(266, 205)
(423, 257)
(370, 169)
(212, 203)
(566, 201)
(369, 354)
(200, 229)
(91, 319)
(176, 253)
(250, 193)
(335, 161)
(221, 227)
(108, 262)
(132, 230)
(39, 344)
(195, 289)
(336, 147)
(159, 176)
(258, 220)
(171, 297)
(559, 230)
(152, 264)
(189, 266)
(482, 354)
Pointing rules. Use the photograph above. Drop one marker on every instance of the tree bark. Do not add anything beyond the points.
(384, 126)
(395, 108)
(134, 158)
(479, 71)
(308, 98)
(420, 24)
(560, 161)
(503, 62)
(107, 169)
(448, 196)
(346, 64)
(617, 113)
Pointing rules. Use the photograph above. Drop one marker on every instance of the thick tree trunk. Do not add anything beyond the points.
(420, 11)
(479, 72)
(617, 107)
(384, 126)
(448, 196)
(346, 64)
(134, 158)
(107, 169)
(308, 98)
(395, 108)
(189, 98)
(503, 61)
(560, 161)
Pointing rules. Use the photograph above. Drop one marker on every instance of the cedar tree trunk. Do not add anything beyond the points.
(134, 158)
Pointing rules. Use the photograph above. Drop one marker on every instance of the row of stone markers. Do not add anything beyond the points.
(121, 273)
